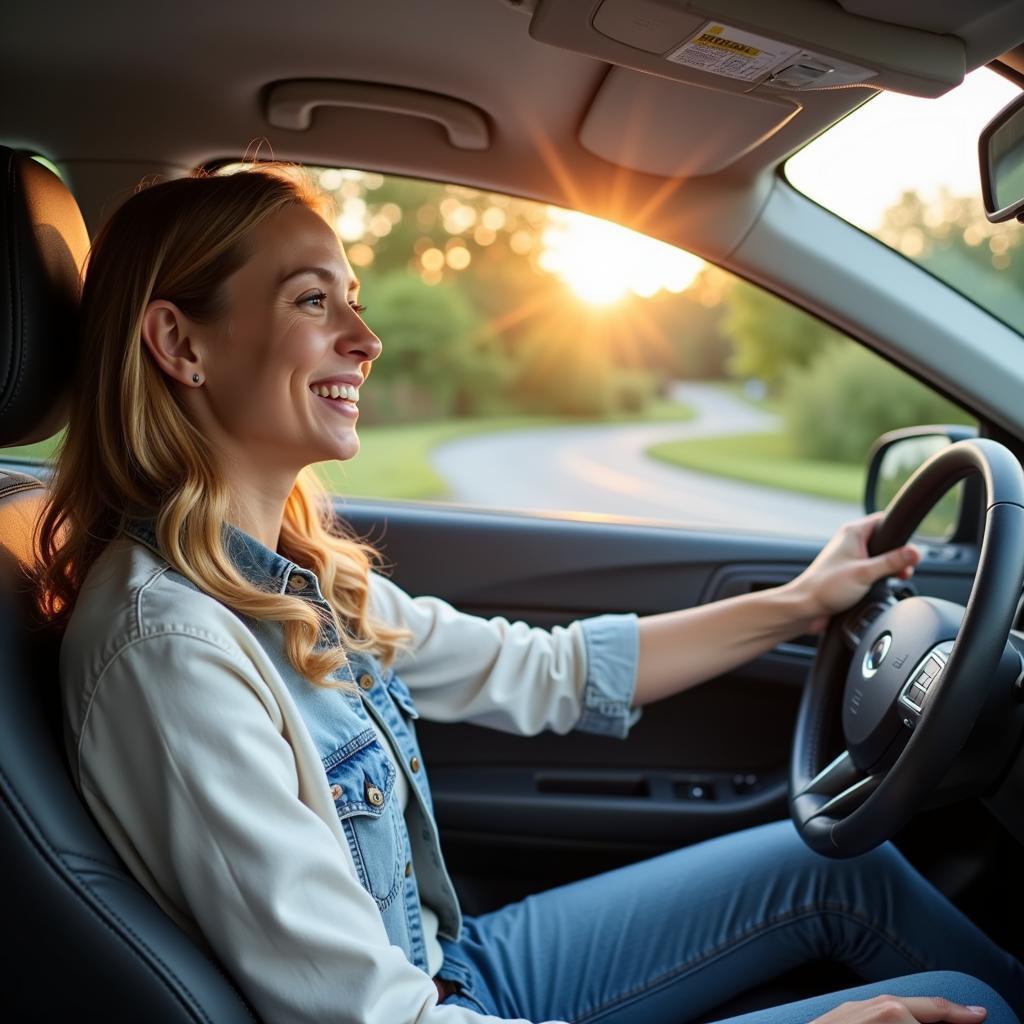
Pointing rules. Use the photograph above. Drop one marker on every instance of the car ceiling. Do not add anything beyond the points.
(564, 111)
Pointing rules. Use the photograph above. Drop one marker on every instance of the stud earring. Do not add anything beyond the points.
(195, 378)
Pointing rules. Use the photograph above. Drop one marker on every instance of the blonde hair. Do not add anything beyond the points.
(131, 449)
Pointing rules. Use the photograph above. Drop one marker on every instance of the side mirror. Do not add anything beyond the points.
(1001, 153)
(894, 458)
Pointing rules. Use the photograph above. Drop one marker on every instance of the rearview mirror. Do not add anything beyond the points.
(1001, 153)
(897, 455)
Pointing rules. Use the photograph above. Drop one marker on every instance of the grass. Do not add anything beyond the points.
(38, 452)
(394, 461)
(765, 459)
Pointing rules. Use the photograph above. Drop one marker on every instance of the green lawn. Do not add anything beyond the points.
(394, 461)
(40, 451)
(765, 459)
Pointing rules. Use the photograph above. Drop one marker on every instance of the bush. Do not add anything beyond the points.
(836, 406)
(439, 358)
(563, 376)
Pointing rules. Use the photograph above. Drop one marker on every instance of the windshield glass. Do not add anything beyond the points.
(905, 170)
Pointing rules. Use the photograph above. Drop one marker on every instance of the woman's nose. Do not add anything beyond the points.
(362, 343)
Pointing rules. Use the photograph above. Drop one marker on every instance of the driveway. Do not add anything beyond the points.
(603, 469)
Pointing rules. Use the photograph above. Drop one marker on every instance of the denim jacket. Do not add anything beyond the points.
(226, 780)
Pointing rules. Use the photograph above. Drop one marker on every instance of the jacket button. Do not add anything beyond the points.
(374, 795)
(366, 682)
(408, 868)
(296, 583)
(414, 763)
(337, 791)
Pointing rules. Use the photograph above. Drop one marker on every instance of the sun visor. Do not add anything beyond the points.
(792, 46)
(659, 126)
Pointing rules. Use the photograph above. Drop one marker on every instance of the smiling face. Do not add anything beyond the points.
(283, 368)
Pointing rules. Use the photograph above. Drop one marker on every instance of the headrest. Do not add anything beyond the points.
(43, 249)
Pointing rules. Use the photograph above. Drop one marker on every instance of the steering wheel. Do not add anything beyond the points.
(913, 674)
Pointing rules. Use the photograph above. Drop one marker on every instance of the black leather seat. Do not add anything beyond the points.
(83, 941)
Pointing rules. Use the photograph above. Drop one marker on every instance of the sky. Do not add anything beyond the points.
(898, 143)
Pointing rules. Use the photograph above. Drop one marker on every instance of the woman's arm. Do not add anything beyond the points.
(509, 675)
(681, 649)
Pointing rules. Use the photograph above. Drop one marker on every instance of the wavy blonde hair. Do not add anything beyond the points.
(132, 450)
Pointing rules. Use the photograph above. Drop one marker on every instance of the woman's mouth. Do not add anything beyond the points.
(342, 398)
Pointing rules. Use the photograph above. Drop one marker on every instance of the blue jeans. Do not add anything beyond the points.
(667, 940)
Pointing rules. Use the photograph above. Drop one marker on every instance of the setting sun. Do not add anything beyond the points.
(601, 261)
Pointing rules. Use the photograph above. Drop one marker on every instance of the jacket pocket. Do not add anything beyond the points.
(361, 777)
(400, 695)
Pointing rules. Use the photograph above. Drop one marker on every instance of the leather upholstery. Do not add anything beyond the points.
(44, 244)
(83, 940)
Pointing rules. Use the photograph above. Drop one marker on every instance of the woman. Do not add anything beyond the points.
(233, 677)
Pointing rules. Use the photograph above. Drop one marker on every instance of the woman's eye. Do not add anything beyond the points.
(357, 307)
(317, 298)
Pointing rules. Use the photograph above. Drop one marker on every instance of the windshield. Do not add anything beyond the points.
(905, 170)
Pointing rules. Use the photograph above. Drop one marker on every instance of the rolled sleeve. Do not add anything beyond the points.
(612, 645)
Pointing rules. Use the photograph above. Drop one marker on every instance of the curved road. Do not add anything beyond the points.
(603, 469)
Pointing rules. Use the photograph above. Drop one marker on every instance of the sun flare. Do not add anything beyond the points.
(601, 261)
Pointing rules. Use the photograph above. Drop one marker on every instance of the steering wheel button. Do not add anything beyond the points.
(917, 695)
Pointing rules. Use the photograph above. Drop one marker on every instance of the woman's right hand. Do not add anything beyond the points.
(902, 1010)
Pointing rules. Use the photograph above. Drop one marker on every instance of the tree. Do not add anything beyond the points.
(770, 336)
(439, 359)
(952, 237)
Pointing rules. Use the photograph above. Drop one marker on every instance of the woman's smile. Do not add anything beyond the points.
(344, 406)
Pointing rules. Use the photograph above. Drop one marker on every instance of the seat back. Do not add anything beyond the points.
(84, 940)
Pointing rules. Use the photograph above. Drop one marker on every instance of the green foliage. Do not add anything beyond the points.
(952, 237)
(836, 406)
(556, 374)
(770, 336)
(691, 324)
(439, 357)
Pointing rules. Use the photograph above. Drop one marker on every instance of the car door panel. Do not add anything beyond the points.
(708, 761)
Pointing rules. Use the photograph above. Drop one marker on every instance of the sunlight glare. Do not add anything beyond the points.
(601, 261)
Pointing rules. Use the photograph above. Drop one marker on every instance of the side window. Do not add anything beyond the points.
(540, 359)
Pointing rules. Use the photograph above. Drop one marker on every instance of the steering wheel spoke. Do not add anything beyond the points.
(846, 802)
(836, 776)
(836, 791)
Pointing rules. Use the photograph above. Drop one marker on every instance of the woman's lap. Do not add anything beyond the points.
(672, 937)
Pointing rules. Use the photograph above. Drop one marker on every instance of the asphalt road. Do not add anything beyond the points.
(603, 469)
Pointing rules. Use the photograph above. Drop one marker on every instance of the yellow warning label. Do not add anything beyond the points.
(734, 53)
(709, 39)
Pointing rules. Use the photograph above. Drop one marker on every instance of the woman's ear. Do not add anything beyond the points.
(166, 333)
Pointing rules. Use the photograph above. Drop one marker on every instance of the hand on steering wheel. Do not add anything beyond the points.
(909, 678)
(844, 569)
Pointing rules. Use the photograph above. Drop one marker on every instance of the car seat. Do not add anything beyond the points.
(84, 941)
